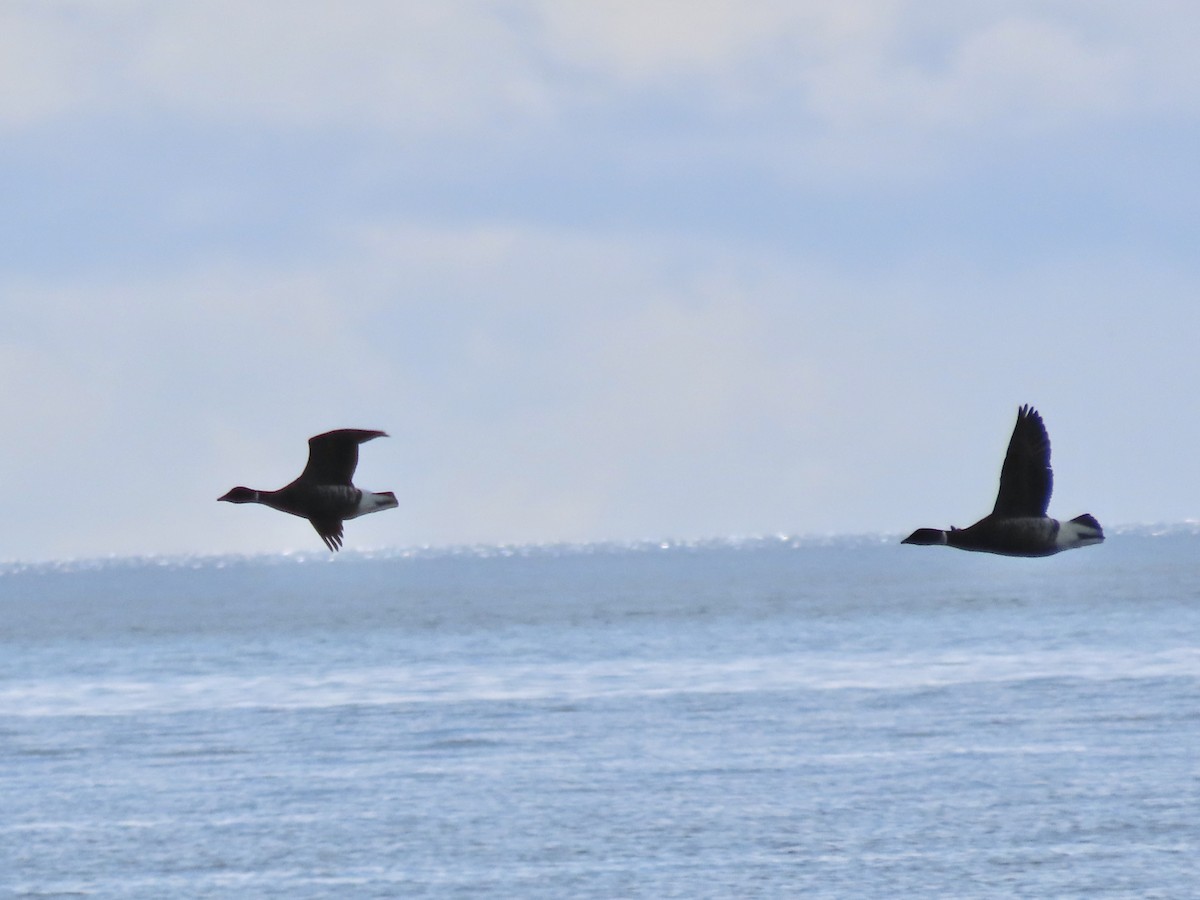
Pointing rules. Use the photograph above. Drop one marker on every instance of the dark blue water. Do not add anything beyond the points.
(846, 718)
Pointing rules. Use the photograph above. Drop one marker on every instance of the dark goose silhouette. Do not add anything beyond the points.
(323, 493)
(1018, 525)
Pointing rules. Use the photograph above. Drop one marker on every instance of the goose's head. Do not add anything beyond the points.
(926, 537)
(240, 495)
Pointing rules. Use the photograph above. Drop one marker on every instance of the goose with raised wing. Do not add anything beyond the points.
(1018, 524)
(324, 493)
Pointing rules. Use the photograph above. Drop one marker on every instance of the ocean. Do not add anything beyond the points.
(776, 717)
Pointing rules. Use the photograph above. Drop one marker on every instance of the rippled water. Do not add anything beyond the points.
(778, 718)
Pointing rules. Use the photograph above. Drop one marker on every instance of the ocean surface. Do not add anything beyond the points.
(763, 718)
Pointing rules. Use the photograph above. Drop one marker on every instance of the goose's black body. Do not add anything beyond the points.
(324, 493)
(1018, 524)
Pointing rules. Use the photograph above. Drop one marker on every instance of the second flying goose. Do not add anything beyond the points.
(1018, 524)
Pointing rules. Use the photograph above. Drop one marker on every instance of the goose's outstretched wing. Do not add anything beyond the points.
(1026, 479)
(333, 456)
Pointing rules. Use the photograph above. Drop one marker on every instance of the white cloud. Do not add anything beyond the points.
(413, 67)
(871, 66)
(715, 41)
(39, 67)
(1018, 72)
(878, 62)
(405, 68)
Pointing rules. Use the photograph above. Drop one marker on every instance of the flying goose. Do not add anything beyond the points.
(1018, 525)
(323, 493)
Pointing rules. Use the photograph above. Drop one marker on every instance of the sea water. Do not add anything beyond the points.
(765, 718)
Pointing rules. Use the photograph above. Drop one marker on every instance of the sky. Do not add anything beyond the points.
(622, 270)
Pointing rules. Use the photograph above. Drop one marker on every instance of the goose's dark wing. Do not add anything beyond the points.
(330, 531)
(333, 456)
(1026, 479)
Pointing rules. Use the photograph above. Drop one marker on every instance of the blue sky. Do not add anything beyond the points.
(655, 269)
